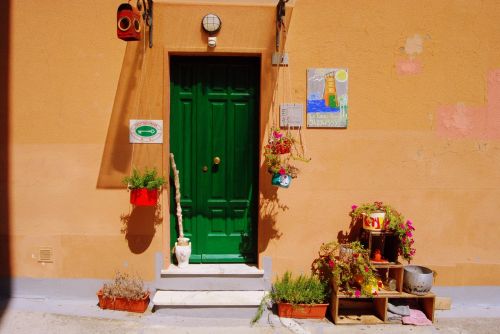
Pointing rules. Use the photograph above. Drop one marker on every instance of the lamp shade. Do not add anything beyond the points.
(211, 23)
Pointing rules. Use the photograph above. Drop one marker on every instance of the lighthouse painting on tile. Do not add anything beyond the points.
(327, 97)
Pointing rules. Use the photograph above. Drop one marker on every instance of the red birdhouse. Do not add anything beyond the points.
(128, 23)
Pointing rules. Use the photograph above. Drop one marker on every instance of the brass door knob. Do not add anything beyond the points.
(204, 169)
(216, 160)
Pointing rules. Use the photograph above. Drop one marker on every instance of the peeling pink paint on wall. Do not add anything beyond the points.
(461, 121)
(408, 66)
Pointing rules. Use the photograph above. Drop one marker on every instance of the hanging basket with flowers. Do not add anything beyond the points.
(278, 153)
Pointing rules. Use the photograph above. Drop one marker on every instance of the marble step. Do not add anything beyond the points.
(208, 303)
(213, 277)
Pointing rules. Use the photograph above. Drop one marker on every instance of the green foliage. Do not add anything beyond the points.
(299, 290)
(394, 221)
(347, 266)
(149, 179)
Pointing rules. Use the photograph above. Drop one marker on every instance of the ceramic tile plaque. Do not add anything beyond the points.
(327, 97)
(146, 131)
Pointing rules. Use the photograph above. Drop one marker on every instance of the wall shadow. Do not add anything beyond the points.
(269, 208)
(353, 233)
(117, 153)
(139, 226)
(269, 203)
(5, 264)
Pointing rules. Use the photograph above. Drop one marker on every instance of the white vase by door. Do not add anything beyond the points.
(182, 253)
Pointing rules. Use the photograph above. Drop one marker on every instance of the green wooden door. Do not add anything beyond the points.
(214, 115)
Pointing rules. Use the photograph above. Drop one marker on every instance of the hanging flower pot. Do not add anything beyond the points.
(144, 187)
(144, 197)
(281, 180)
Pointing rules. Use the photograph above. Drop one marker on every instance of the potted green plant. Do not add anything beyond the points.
(347, 268)
(144, 187)
(124, 293)
(393, 221)
(301, 297)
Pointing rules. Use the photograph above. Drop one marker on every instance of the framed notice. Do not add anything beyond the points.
(291, 115)
(327, 97)
(146, 131)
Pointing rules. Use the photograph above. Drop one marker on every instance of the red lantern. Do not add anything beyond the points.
(128, 26)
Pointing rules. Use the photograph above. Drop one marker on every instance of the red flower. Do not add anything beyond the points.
(282, 171)
(331, 264)
(357, 293)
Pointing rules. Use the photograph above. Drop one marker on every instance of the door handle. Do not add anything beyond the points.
(216, 160)
(204, 169)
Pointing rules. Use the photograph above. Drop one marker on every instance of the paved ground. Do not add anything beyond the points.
(41, 315)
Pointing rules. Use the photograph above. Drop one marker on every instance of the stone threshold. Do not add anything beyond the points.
(208, 298)
(215, 269)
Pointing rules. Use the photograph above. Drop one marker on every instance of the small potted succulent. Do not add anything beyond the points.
(124, 293)
(347, 268)
(300, 297)
(393, 221)
(144, 187)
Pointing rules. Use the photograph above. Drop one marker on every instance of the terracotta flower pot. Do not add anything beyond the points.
(123, 304)
(302, 311)
(144, 197)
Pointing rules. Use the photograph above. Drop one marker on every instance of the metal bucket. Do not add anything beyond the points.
(417, 280)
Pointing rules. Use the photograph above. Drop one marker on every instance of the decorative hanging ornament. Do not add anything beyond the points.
(128, 23)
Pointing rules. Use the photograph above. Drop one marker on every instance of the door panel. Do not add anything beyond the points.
(214, 115)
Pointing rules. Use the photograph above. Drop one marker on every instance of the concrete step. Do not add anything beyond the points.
(208, 303)
(229, 277)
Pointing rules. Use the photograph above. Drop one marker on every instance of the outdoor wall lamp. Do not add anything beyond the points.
(211, 23)
(128, 26)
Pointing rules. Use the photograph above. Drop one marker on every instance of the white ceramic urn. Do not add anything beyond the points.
(182, 253)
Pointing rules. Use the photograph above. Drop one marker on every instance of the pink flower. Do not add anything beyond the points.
(409, 234)
(282, 171)
(357, 293)
(277, 135)
(366, 269)
(331, 264)
(354, 207)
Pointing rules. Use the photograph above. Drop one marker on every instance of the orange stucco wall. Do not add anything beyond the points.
(423, 134)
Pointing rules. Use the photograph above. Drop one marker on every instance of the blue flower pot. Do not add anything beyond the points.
(282, 181)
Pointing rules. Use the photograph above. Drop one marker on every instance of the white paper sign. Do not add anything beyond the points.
(291, 114)
(146, 131)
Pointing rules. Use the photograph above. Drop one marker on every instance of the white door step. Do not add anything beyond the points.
(208, 298)
(213, 270)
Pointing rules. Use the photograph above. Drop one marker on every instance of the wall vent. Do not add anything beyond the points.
(45, 255)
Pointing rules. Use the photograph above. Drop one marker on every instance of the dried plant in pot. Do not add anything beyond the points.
(125, 292)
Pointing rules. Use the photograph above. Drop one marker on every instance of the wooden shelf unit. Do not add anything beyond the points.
(347, 309)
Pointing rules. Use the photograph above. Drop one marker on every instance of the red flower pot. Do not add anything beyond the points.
(302, 311)
(123, 304)
(144, 197)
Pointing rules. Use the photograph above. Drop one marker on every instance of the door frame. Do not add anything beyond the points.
(172, 223)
